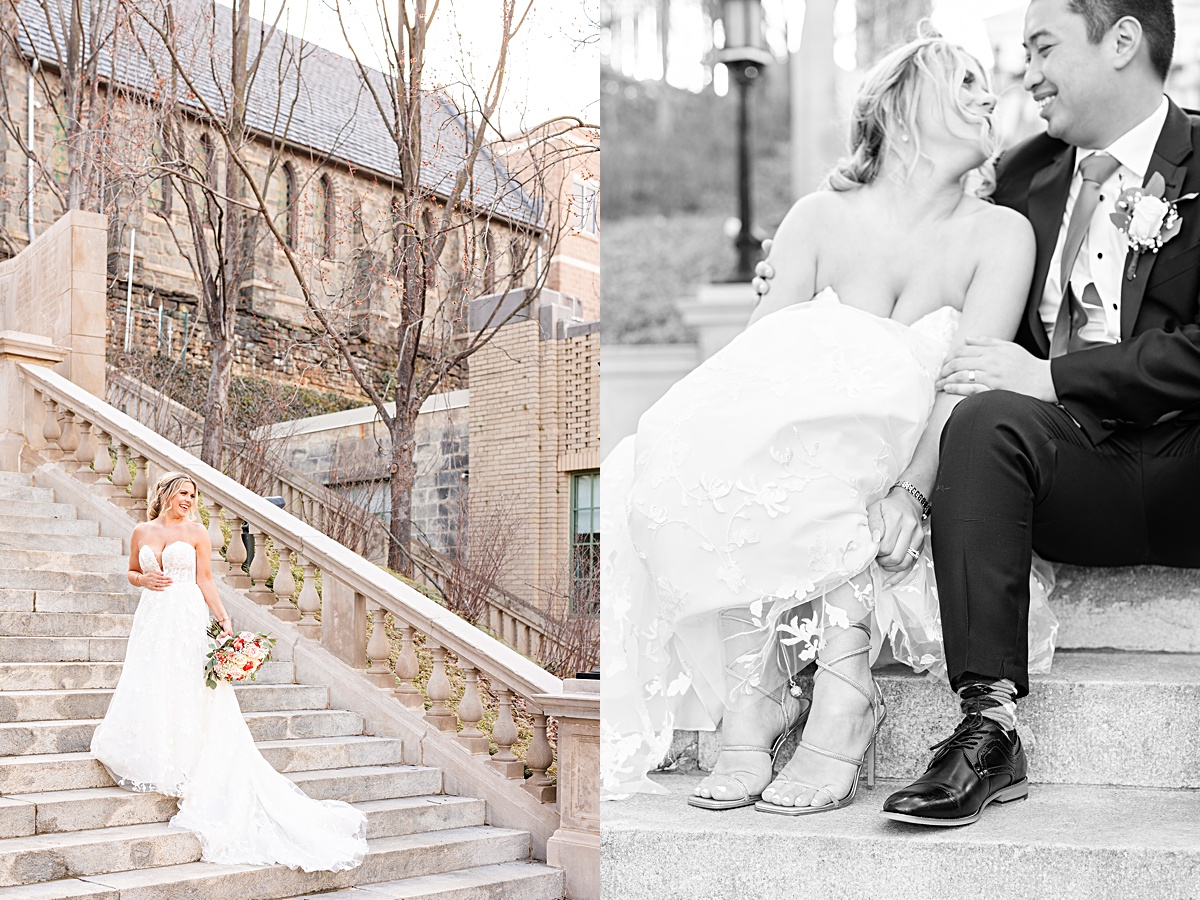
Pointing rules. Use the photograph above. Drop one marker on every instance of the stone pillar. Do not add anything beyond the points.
(575, 846)
(718, 313)
(343, 622)
(19, 408)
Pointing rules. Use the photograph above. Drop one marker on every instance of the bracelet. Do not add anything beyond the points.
(926, 509)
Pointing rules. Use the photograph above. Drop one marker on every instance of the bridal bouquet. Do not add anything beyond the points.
(238, 658)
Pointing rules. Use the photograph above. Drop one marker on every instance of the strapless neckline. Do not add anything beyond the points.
(829, 292)
(158, 559)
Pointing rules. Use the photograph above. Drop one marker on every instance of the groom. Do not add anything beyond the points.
(1081, 439)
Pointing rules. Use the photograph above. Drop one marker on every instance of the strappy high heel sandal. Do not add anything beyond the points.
(878, 710)
(748, 799)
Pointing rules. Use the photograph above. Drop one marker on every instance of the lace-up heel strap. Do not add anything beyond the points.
(746, 748)
(829, 753)
(823, 666)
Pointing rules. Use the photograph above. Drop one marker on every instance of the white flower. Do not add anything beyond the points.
(792, 586)
(1146, 220)
(836, 616)
(732, 576)
(714, 489)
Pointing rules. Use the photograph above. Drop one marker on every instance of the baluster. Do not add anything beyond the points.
(310, 602)
(539, 757)
(522, 644)
(379, 648)
(235, 555)
(285, 587)
(102, 465)
(504, 734)
(69, 441)
(51, 430)
(139, 488)
(535, 644)
(510, 631)
(216, 537)
(85, 453)
(407, 668)
(260, 569)
(470, 711)
(121, 479)
(438, 691)
(494, 622)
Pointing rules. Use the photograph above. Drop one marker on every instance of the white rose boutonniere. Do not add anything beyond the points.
(1146, 219)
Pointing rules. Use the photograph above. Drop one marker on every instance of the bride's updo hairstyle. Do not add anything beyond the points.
(885, 111)
(165, 489)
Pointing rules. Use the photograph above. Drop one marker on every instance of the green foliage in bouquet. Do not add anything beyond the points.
(210, 667)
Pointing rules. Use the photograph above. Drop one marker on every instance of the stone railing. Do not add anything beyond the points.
(509, 618)
(83, 434)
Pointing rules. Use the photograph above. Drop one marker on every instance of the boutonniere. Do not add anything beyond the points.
(1146, 219)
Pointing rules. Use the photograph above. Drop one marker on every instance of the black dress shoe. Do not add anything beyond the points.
(980, 762)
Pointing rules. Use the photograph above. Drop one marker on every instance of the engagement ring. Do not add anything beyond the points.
(971, 375)
(915, 554)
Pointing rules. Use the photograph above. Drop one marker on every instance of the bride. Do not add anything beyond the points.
(166, 731)
(769, 511)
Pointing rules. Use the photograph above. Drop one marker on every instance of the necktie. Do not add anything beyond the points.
(1095, 170)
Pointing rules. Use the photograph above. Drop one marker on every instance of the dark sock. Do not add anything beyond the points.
(995, 700)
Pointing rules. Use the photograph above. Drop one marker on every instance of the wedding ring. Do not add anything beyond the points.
(971, 375)
(915, 554)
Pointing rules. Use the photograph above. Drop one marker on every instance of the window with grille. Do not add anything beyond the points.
(585, 543)
(585, 205)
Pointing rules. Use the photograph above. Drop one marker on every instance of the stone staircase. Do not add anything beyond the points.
(66, 831)
(1114, 755)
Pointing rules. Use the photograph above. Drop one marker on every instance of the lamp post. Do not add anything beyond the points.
(744, 55)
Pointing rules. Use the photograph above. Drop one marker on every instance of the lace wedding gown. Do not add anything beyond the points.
(166, 731)
(745, 489)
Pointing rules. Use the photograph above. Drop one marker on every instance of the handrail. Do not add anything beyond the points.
(467, 642)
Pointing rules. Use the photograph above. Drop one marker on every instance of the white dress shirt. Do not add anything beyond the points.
(1101, 258)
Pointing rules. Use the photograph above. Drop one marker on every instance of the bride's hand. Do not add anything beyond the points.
(156, 581)
(226, 628)
(896, 519)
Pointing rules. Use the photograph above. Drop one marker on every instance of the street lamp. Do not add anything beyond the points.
(744, 55)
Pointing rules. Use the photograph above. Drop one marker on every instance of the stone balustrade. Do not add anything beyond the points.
(83, 433)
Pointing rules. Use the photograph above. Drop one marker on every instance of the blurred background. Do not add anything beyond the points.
(673, 74)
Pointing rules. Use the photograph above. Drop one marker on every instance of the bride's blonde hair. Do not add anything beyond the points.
(164, 490)
(886, 108)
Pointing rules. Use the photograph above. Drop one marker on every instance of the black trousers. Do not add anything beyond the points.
(1018, 474)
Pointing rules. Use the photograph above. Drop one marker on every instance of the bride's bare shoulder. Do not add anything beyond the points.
(997, 230)
(813, 215)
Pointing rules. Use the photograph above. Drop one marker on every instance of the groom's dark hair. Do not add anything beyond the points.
(1157, 18)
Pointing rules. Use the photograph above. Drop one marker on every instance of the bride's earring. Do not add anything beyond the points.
(904, 136)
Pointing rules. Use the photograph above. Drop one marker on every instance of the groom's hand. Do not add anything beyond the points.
(988, 364)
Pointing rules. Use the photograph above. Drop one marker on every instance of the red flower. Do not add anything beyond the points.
(247, 667)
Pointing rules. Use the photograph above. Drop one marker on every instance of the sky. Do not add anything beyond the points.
(554, 62)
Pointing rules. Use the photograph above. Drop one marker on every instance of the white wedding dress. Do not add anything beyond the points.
(745, 489)
(166, 731)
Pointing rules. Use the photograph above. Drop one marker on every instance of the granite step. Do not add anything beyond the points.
(9, 492)
(75, 736)
(11, 523)
(505, 881)
(406, 856)
(92, 703)
(39, 509)
(61, 649)
(1099, 717)
(1147, 608)
(30, 600)
(67, 543)
(83, 563)
(54, 812)
(65, 624)
(16, 479)
(39, 773)
(65, 676)
(1069, 842)
(54, 578)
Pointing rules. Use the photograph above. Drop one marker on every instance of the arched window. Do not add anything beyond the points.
(158, 193)
(206, 160)
(323, 217)
(283, 197)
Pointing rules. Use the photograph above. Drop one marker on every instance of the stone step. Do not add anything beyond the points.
(506, 881)
(65, 676)
(61, 649)
(68, 543)
(30, 600)
(65, 624)
(92, 703)
(1115, 718)
(64, 561)
(24, 578)
(81, 809)
(75, 736)
(406, 856)
(1149, 608)
(1069, 842)
(39, 509)
(10, 523)
(16, 479)
(26, 492)
(39, 773)
(368, 782)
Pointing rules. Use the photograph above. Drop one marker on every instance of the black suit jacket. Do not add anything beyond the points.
(1154, 371)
